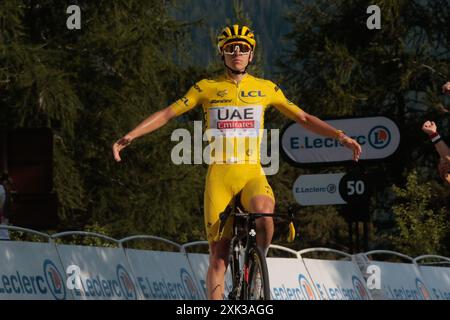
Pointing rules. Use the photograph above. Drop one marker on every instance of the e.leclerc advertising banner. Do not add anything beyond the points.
(318, 189)
(31, 271)
(379, 138)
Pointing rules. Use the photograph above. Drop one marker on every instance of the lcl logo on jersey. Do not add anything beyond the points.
(252, 96)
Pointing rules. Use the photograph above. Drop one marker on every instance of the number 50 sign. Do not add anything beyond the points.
(326, 189)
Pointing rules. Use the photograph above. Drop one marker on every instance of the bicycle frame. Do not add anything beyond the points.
(244, 239)
(244, 229)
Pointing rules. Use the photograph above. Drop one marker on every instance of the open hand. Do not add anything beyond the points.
(353, 145)
(121, 144)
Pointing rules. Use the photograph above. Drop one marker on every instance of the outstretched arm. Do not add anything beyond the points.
(322, 128)
(160, 118)
(155, 121)
(311, 122)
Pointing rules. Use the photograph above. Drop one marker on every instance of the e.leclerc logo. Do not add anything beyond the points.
(379, 137)
(307, 289)
(189, 285)
(422, 289)
(55, 282)
(331, 188)
(126, 283)
(359, 288)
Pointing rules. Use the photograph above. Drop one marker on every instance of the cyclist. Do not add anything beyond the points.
(234, 106)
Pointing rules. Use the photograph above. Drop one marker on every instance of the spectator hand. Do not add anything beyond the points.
(446, 89)
(444, 169)
(429, 127)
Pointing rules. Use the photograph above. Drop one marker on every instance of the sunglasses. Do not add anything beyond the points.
(231, 48)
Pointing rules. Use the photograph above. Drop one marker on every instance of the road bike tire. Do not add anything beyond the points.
(257, 289)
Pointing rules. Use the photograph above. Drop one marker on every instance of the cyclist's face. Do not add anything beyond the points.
(237, 55)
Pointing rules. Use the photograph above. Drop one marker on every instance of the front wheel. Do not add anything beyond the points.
(258, 287)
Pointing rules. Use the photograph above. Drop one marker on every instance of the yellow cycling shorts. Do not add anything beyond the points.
(223, 182)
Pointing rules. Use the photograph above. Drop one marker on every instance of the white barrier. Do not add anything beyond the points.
(41, 277)
(289, 279)
(336, 280)
(399, 281)
(164, 275)
(199, 265)
(436, 278)
(31, 270)
(104, 272)
(38, 271)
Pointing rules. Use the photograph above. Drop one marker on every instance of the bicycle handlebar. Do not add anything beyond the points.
(224, 215)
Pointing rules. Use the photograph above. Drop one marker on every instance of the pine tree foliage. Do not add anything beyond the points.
(336, 67)
(421, 228)
(91, 86)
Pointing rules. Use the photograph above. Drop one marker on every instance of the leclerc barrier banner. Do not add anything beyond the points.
(337, 280)
(401, 281)
(104, 273)
(437, 280)
(199, 263)
(164, 275)
(37, 271)
(31, 271)
(289, 280)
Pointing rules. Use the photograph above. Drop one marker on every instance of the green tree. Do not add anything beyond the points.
(91, 86)
(421, 229)
(338, 67)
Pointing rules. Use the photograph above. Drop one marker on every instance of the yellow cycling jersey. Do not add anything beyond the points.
(234, 114)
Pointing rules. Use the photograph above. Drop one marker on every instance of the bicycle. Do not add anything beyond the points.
(250, 277)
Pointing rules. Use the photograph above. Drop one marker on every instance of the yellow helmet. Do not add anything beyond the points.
(235, 33)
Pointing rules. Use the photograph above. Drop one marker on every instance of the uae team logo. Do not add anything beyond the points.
(54, 279)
